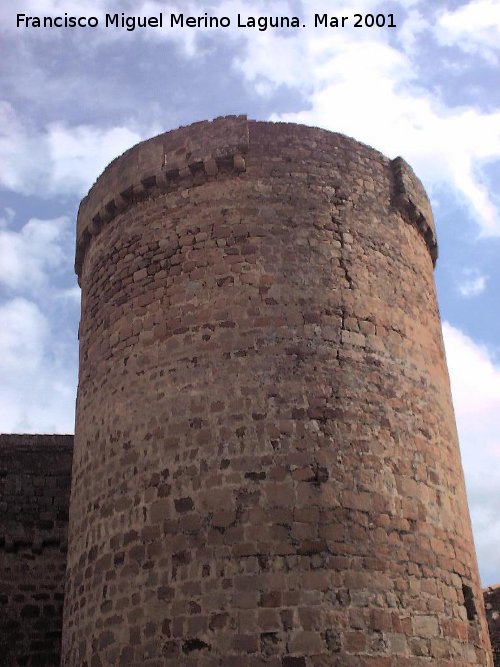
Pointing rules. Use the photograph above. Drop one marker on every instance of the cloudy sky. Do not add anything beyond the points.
(428, 89)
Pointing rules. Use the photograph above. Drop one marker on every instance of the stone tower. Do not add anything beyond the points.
(266, 468)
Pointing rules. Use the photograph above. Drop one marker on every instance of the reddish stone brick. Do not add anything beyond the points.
(355, 642)
(259, 318)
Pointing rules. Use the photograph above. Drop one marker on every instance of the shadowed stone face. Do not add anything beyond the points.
(266, 466)
(35, 475)
(492, 604)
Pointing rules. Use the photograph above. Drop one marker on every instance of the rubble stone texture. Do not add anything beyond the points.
(492, 604)
(266, 468)
(35, 475)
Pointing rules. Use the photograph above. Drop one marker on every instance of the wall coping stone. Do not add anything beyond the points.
(207, 150)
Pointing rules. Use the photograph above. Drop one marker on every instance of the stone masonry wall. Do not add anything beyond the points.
(35, 474)
(492, 604)
(20, 455)
(266, 466)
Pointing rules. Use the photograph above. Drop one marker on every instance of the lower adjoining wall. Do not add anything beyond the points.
(35, 480)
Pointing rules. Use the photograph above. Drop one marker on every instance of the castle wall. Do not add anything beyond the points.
(21, 641)
(35, 475)
(266, 465)
(492, 604)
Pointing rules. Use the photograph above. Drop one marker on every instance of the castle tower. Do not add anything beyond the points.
(266, 468)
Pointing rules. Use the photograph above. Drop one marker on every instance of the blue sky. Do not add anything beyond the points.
(71, 99)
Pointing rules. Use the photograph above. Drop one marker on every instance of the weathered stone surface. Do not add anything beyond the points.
(194, 151)
(35, 474)
(492, 604)
(266, 466)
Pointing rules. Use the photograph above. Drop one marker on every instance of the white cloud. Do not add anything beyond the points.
(187, 40)
(27, 256)
(475, 384)
(59, 159)
(408, 33)
(23, 334)
(46, 8)
(473, 283)
(37, 393)
(80, 153)
(38, 352)
(9, 215)
(71, 294)
(473, 27)
(359, 84)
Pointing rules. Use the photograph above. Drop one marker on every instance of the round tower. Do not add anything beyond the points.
(266, 468)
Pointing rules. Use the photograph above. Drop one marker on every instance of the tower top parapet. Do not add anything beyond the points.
(191, 155)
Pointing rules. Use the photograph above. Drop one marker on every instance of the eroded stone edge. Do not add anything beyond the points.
(170, 175)
(410, 199)
(409, 196)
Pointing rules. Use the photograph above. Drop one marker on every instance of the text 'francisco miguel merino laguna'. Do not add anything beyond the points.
(261, 23)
